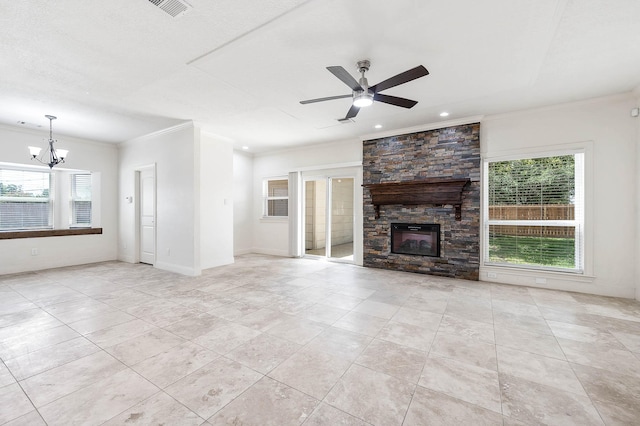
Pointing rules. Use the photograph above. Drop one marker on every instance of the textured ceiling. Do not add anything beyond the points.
(112, 71)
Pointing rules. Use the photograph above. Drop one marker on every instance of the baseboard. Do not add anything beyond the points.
(242, 251)
(271, 252)
(225, 261)
(178, 269)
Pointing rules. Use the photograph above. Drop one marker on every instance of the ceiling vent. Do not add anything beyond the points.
(175, 8)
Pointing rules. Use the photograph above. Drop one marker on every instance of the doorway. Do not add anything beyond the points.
(147, 215)
(329, 217)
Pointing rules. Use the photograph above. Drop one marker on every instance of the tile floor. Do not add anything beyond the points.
(275, 341)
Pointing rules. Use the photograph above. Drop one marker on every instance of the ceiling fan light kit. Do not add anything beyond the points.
(364, 95)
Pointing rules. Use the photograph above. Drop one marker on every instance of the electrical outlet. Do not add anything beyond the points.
(492, 275)
(34, 252)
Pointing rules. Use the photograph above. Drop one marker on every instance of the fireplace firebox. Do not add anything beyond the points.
(415, 238)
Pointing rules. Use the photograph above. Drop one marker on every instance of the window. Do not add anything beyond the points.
(81, 200)
(276, 198)
(25, 200)
(534, 212)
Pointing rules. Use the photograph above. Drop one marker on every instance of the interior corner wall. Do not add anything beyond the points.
(173, 152)
(242, 203)
(216, 201)
(611, 221)
(53, 252)
(272, 236)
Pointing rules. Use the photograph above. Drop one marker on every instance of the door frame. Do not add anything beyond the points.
(137, 210)
(328, 176)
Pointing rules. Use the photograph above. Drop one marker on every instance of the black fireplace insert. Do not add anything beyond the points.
(415, 238)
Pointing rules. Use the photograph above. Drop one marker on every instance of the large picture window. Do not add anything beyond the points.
(534, 212)
(25, 200)
(276, 199)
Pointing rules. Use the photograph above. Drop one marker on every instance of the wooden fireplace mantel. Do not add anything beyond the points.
(439, 191)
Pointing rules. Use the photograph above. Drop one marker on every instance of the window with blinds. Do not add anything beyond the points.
(534, 212)
(25, 200)
(276, 200)
(81, 200)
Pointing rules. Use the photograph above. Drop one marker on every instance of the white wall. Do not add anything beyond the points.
(271, 236)
(611, 173)
(637, 120)
(216, 201)
(242, 203)
(15, 255)
(177, 202)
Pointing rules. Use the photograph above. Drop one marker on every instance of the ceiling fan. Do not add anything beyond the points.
(363, 95)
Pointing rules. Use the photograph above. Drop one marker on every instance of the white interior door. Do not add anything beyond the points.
(147, 216)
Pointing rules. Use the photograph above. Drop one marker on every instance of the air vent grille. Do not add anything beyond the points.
(175, 8)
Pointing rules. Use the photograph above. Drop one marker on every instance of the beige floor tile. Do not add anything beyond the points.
(264, 352)
(22, 345)
(173, 364)
(13, 403)
(470, 308)
(159, 409)
(325, 414)
(631, 341)
(434, 408)
(61, 381)
(263, 319)
(268, 402)
(6, 378)
(361, 323)
(297, 330)
(207, 390)
(100, 321)
(32, 418)
(78, 309)
(340, 301)
(468, 351)
(372, 396)
(323, 313)
(234, 310)
(311, 372)
(341, 343)
(120, 333)
(226, 336)
(529, 323)
(423, 319)
(194, 326)
(437, 304)
(617, 396)
(585, 334)
(290, 305)
(541, 344)
(53, 356)
(377, 309)
(139, 348)
(467, 328)
(170, 316)
(467, 382)
(539, 404)
(99, 401)
(40, 321)
(539, 369)
(401, 362)
(601, 356)
(407, 335)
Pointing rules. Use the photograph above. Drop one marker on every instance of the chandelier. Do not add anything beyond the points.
(55, 157)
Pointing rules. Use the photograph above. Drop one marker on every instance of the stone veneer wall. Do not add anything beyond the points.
(452, 152)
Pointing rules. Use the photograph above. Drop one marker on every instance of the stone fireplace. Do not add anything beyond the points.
(424, 179)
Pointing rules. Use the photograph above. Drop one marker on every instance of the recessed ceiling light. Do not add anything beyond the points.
(378, 126)
(246, 148)
(444, 114)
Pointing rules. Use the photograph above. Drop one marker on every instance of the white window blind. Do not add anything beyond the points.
(276, 197)
(81, 200)
(535, 212)
(25, 200)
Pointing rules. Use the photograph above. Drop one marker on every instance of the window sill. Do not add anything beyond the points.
(11, 235)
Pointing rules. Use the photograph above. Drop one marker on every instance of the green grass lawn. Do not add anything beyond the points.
(556, 252)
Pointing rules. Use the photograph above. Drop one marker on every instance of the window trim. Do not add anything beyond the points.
(266, 198)
(579, 221)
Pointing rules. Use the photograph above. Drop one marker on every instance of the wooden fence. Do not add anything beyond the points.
(545, 212)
